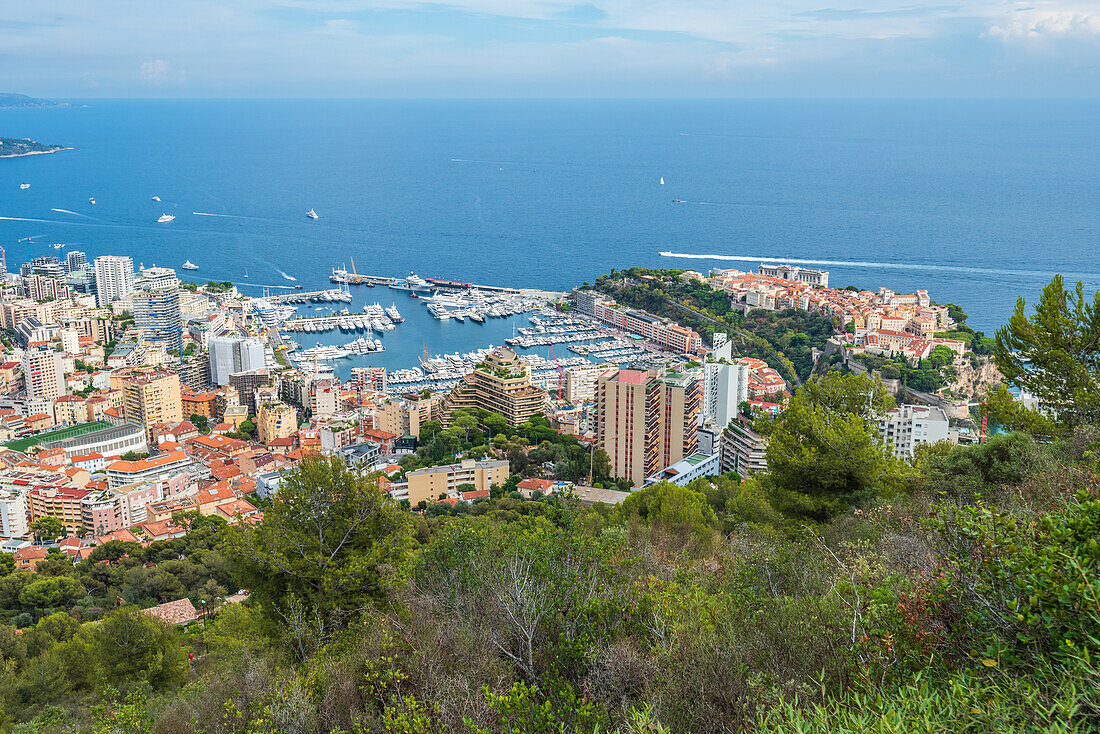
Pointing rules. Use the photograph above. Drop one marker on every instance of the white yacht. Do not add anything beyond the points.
(413, 283)
(165, 218)
(156, 198)
(91, 199)
(188, 265)
(311, 214)
(24, 187)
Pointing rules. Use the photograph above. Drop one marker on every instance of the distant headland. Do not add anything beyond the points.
(18, 147)
(10, 101)
(14, 148)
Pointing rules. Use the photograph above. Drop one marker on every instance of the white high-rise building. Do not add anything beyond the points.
(156, 279)
(13, 514)
(230, 355)
(75, 260)
(114, 278)
(44, 373)
(908, 426)
(725, 386)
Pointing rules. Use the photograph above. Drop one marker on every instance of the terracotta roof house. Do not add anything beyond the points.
(27, 558)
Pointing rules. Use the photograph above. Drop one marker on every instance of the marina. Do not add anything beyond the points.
(526, 320)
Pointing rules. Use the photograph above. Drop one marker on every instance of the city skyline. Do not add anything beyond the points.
(550, 48)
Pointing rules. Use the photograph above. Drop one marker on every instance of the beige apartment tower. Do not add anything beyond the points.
(646, 420)
(151, 398)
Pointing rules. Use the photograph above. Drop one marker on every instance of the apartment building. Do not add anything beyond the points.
(500, 384)
(150, 398)
(742, 450)
(44, 373)
(646, 420)
(426, 485)
(908, 426)
(274, 420)
(404, 416)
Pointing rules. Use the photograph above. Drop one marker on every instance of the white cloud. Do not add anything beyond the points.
(1036, 23)
(154, 71)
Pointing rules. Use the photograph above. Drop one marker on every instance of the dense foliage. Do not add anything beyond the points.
(1054, 355)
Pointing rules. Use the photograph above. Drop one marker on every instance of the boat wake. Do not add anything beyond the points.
(75, 214)
(288, 277)
(862, 264)
(26, 219)
(208, 214)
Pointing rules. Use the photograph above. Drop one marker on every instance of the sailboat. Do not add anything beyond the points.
(311, 214)
(91, 199)
(662, 180)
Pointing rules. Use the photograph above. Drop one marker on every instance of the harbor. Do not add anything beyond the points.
(439, 332)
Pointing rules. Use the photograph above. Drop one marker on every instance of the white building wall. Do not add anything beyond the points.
(13, 514)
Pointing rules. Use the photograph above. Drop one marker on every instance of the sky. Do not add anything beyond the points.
(550, 48)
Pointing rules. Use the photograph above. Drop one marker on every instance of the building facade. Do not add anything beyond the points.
(114, 278)
(230, 355)
(44, 373)
(157, 316)
(742, 450)
(275, 420)
(646, 420)
(428, 484)
(908, 426)
(500, 384)
(150, 398)
(725, 386)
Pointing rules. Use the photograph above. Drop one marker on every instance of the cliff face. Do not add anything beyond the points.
(972, 381)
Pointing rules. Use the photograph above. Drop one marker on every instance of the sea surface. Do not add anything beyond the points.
(979, 202)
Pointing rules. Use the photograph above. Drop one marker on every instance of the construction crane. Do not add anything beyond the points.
(985, 421)
(561, 372)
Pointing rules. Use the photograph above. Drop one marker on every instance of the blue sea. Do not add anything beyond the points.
(978, 201)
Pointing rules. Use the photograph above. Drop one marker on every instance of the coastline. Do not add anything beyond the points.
(35, 152)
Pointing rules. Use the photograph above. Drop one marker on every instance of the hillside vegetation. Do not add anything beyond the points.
(844, 591)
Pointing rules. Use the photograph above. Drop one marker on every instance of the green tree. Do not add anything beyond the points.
(200, 422)
(128, 648)
(48, 528)
(824, 453)
(678, 510)
(329, 546)
(1055, 354)
(50, 593)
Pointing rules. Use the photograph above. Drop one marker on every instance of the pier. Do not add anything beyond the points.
(331, 295)
(343, 277)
